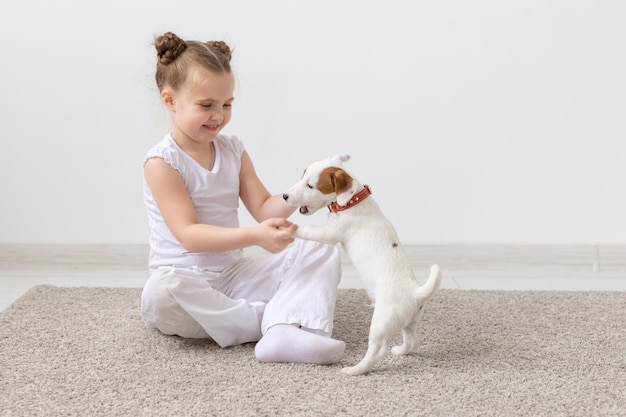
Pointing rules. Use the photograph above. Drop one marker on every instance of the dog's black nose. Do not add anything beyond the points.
(285, 197)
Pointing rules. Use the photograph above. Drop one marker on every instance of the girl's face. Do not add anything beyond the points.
(201, 107)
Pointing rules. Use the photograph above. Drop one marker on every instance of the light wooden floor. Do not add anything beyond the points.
(483, 267)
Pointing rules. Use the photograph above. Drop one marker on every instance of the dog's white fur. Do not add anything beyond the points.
(372, 244)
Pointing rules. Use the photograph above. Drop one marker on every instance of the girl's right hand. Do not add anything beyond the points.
(275, 234)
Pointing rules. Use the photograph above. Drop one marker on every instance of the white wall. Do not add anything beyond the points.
(481, 121)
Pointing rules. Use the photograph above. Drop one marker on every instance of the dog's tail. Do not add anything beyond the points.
(432, 283)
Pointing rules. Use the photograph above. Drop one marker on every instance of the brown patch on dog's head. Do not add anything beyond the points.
(334, 180)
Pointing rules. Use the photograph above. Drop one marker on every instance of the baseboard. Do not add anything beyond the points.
(571, 257)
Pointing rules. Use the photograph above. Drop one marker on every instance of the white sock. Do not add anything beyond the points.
(290, 343)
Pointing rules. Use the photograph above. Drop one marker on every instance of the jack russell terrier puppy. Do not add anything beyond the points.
(372, 244)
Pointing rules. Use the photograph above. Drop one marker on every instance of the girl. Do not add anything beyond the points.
(200, 285)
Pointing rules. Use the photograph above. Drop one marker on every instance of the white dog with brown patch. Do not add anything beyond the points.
(372, 244)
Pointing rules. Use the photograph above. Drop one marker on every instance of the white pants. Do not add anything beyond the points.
(238, 305)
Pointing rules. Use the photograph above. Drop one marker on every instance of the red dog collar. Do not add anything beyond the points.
(356, 199)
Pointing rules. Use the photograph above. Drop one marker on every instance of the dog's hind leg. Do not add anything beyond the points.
(375, 353)
(409, 335)
(409, 340)
(376, 349)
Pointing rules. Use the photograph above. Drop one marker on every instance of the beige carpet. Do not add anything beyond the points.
(85, 352)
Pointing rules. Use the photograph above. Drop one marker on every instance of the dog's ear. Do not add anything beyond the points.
(345, 186)
(336, 180)
(338, 159)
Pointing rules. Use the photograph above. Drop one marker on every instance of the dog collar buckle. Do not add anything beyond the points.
(356, 199)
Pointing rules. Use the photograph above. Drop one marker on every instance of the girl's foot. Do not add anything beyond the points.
(290, 343)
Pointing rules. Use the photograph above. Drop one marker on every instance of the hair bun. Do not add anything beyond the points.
(222, 47)
(169, 47)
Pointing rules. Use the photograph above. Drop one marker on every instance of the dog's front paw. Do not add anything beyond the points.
(316, 233)
(301, 232)
(305, 232)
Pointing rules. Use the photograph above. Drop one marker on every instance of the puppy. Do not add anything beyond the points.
(372, 244)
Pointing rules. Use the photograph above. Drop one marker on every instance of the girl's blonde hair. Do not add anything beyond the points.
(176, 56)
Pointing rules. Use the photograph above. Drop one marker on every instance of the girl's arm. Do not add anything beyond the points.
(259, 202)
(177, 209)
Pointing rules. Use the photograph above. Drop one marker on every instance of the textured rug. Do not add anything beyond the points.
(85, 352)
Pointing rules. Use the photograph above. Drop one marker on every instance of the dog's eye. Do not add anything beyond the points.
(310, 186)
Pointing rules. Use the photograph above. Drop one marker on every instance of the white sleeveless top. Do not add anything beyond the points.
(215, 196)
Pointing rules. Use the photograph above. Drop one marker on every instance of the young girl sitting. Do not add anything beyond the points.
(200, 284)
